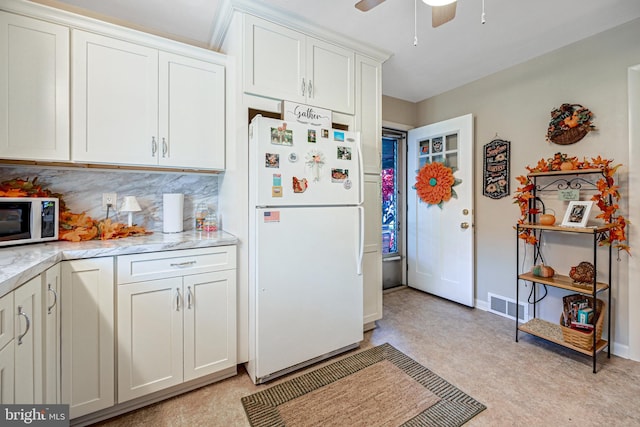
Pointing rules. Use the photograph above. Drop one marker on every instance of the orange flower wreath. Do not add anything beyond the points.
(435, 182)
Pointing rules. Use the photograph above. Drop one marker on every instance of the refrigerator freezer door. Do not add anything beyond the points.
(308, 291)
(297, 165)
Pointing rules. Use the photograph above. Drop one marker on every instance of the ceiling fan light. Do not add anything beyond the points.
(438, 2)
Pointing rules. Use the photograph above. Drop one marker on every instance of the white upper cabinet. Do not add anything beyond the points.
(285, 64)
(369, 111)
(192, 112)
(34, 89)
(115, 101)
(136, 105)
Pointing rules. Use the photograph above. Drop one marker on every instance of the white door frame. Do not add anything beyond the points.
(634, 208)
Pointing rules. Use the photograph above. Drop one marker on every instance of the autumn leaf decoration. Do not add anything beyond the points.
(606, 199)
(435, 182)
(74, 227)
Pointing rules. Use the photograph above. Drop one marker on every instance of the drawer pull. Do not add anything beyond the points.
(55, 298)
(182, 264)
(22, 313)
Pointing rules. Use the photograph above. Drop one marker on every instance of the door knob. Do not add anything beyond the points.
(464, 225)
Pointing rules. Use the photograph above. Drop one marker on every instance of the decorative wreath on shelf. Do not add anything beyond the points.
(606, 187)
(435, 182)
(569, 124)
(73, 227)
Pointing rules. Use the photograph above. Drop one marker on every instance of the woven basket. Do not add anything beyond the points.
(571, 136)
(584, 340)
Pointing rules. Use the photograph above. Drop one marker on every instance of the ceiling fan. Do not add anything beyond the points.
(442, 11)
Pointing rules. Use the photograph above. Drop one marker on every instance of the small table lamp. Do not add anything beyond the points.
(130, 205)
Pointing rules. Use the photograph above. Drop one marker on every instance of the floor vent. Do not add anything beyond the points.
(506, 307)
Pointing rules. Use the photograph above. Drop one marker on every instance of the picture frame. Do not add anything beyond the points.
(577, 213)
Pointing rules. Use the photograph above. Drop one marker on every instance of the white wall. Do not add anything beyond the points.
(515, 104)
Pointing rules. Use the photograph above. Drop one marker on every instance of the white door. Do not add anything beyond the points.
(51, 316)
(440, 241)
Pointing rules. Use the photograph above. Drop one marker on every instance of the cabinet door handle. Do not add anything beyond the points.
(189, 297)
(22, 313)
(177, 299)
(182, 264)
(304, 87)
(165, 147)
(310, 91)
(154, 146)
(55, 298)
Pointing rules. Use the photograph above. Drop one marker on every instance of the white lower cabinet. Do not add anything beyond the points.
(6, 349)
(87, 318)
(51, 330)
(28, 349)
(177, 328)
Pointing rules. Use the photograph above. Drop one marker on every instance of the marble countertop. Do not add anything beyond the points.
(18, 264)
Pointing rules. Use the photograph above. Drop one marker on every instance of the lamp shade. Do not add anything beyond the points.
(438, 2)
(130, 204)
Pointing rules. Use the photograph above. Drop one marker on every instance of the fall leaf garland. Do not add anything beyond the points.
(73, 227)
(606, 199)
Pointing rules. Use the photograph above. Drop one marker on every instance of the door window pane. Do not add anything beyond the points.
(390, 194)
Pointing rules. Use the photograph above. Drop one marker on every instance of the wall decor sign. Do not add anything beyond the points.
(495, 172)
(306, 114)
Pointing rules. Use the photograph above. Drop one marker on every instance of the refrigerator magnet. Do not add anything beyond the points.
(272, 216)
(344, 153)
(293, 157)
(272, 160)
(276, 191)
(347, 184)
(277, 180)
(339, 175)
(325, 133)
(299, 185)
(311, 136)
(338, 136)
(281, 135)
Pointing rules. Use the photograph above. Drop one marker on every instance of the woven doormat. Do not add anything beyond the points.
(374, 388)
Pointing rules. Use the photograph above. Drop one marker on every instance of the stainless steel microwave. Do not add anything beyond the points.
(28, 220)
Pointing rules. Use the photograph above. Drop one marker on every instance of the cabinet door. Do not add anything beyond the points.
(34, 89)
(330, 76)
(7, 363)
(87, 335)
(209, 323)
(274, 58)
(28, 342)
(192, 113)
(115, 101)
(51, 315)
(149, 337)
(369, 111)
(6, 349)
(372, 258)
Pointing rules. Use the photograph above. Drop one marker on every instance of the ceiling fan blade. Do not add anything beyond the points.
(442, 14)
(366, 5)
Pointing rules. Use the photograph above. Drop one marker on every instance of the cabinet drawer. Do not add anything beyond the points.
(157, 265)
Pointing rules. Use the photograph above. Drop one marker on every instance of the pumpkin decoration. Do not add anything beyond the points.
(547, 218)
(542, 270)
(583, 272)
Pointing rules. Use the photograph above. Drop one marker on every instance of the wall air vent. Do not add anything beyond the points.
(506, 307)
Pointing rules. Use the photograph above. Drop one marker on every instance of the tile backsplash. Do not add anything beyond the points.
(82, 190)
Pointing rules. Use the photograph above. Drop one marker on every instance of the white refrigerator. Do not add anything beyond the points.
(305, 245)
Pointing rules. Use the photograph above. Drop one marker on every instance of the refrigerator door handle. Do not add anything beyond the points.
(361, 166)
(361, 241)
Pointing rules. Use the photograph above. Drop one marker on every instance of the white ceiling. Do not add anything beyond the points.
(456, 53)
